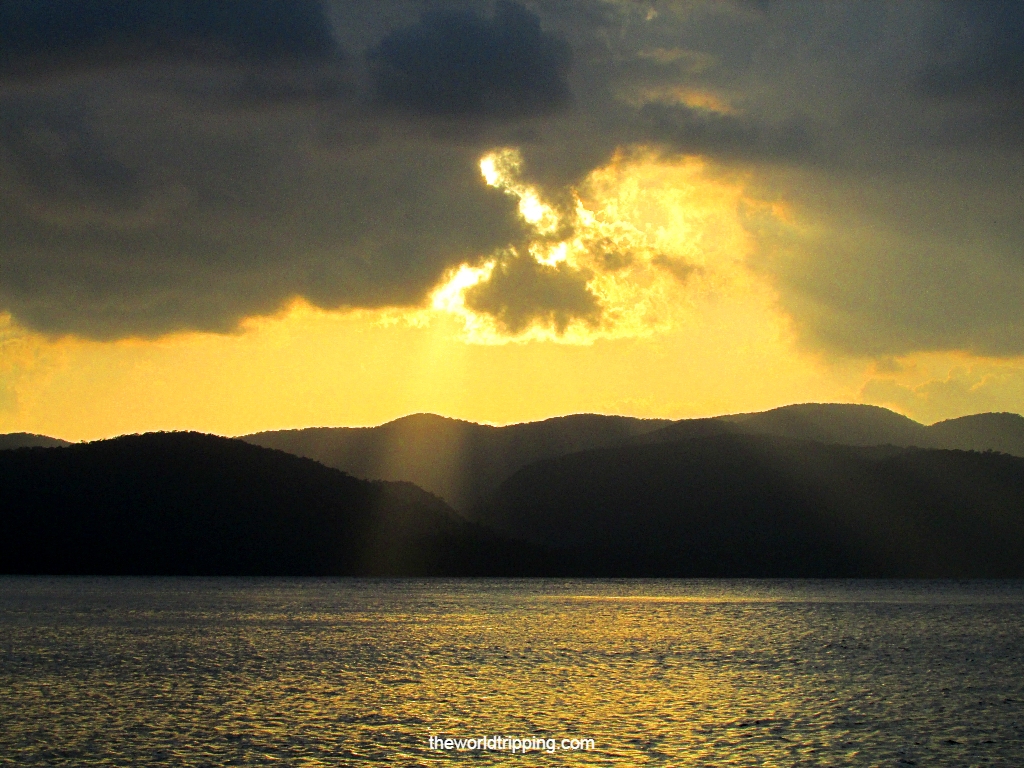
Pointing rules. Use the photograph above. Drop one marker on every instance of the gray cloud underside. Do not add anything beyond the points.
(521, 292)
(41, 37)
(200, 161)
(457, 63)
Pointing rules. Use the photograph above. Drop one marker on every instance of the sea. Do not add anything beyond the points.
(363, 672)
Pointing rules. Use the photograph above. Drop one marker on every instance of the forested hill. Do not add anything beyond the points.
(464, 462)
(760, 505)
(187, 503)
(459, 461)
(28, 440)
(859, 425)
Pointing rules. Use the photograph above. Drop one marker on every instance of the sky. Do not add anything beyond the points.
(233, 217)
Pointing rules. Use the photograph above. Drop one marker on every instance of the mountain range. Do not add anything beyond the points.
(860, 425)
(459, 461)
(807, 490)
(464, 463)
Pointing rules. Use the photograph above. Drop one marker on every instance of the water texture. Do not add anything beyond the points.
(235, 672)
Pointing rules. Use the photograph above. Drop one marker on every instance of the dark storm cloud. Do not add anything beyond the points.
(911, 231)
(373, 225)
(184, 164)
(55, 161)
(455, 63)
(189, 194)
(44, 35)
(262, 52)
(976, 51)
(974, 70)
(883, 267)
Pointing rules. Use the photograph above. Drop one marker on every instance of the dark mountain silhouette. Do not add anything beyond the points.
(761, 505)
(28, 440)
(839, 423)
(1003, 432)
(715, 505)
(464, 462)
(186, 503)
(857, 425)
(459, 461)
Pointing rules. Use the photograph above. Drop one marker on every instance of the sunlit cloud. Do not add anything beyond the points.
(502, 169)
(450, 298)
(647, 235)
(694, 98)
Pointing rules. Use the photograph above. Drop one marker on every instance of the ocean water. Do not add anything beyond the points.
(236, 672)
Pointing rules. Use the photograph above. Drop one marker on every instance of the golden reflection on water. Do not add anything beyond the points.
(347, 672)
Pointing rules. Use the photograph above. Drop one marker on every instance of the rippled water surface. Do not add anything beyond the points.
(224, 672)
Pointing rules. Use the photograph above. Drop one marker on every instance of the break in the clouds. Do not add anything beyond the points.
(182, 165)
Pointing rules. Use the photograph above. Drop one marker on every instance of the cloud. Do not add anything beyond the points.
(973, 72)
(691, 130)
(36, 37)
(264, 52)
(980, 387)
(521, 292)
(890, 266)
(457, 64)
(198, 191)
(64, 174)
(182, 165)
(370, 225)
(976, 51)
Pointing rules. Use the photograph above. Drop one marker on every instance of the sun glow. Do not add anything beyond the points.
(649, 237)
(450, 296)
(501, 170)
